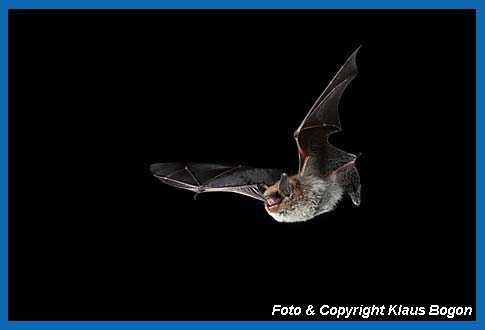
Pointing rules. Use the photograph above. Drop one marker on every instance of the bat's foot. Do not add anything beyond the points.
(350, 181)
(355, 196)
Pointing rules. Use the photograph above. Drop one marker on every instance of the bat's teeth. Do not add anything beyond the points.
(272, 201)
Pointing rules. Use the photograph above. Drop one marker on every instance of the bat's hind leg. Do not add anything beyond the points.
(350, 181)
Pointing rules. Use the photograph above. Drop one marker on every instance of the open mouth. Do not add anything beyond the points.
(273, 203)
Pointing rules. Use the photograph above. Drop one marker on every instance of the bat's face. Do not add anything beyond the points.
(282, 194)
(295, 198)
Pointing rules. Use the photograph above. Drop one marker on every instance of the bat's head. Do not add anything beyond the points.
(296, 198)
(280, 196)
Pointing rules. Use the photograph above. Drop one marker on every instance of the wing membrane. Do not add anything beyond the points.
(208, 177)
(316, 155)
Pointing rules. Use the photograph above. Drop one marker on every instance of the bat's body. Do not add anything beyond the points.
(325, 173)
(309, 195)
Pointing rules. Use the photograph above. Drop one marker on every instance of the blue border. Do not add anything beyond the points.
(235, 4)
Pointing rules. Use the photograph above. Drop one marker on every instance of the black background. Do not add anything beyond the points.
(95, 97)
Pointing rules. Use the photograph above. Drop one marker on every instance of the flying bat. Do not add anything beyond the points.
(325, 173)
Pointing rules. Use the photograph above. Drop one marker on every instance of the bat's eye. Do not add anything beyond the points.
(277, 196)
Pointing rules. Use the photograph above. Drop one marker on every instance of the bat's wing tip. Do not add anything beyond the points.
(152, 168)
(356, 50)
(155, 168)
(163, 169)
(352, 58)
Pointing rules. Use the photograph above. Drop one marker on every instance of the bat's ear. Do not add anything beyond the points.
(284, 186)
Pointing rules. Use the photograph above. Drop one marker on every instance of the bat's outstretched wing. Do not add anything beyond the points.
(205, 177)
(317, 156)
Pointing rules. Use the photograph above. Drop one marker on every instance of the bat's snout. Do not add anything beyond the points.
(272, 203)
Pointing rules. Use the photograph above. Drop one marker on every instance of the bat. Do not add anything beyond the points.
(325, 173)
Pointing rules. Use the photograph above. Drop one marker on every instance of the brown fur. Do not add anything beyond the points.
(297, 193)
